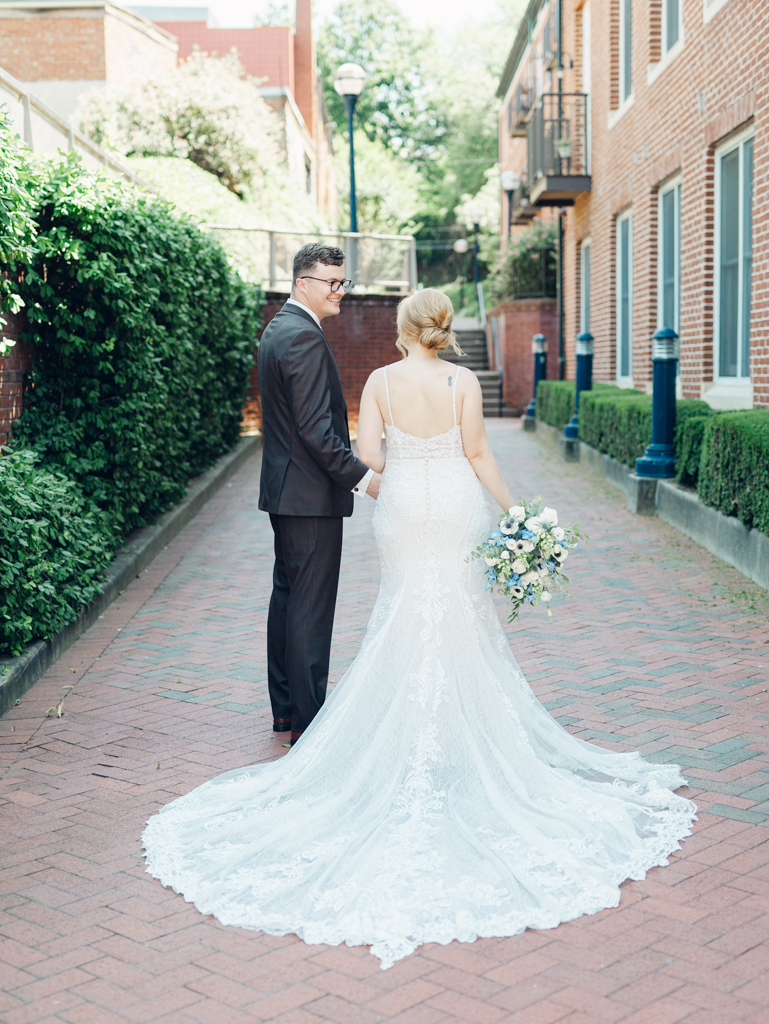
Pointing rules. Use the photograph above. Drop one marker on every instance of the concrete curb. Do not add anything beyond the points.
(18, 674)
(723, 536)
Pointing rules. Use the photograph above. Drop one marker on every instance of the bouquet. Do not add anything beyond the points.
(525, 555)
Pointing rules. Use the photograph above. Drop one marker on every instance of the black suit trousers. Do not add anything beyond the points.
(308, 551)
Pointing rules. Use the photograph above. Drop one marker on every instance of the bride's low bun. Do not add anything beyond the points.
(426, 317)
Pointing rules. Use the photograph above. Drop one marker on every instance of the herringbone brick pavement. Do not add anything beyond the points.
(663, 649)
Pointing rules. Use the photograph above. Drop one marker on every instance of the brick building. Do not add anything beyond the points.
(284, 62)
(62, 49)
(642, 127)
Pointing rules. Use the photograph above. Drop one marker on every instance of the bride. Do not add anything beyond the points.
(432, 798)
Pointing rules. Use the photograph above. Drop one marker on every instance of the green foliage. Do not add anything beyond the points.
(395, 106)
(386, 188)
(209, 112)
(555, 402)
(17, 219)
(689, 440)
(734, 466)
(54, 544)
(617, 421)
(143, 340)
(527, 267)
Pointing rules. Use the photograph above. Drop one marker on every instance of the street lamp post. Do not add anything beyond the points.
(461, 245)
(584, 382)
(539, 350)
(509, 181)
(476, 216)
(348, 82)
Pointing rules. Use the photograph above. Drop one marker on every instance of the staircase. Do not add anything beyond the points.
(472, 341)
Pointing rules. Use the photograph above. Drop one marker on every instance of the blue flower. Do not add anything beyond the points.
(497, 533)
(527, 535)
(516, 577)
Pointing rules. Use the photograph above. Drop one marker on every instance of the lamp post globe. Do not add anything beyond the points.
(460, 247)
(476, 216)
(348, 82)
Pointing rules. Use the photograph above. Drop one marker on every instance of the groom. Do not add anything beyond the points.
(309, 477)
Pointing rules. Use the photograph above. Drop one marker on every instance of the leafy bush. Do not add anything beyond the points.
(734, 466)
(527, 267)
(689, 438)
(618, 421)
(555, 402)
(17, 220)
(54, 543)
(208, 112)
(143, 340)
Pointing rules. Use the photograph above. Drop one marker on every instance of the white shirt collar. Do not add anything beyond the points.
(307, 309)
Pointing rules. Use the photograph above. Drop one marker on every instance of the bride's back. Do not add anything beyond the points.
(421, 392)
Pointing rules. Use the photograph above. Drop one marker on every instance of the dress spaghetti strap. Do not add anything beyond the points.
(387, 392)
(453, 395)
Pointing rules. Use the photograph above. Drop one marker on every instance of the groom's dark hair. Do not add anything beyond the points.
(314, 253)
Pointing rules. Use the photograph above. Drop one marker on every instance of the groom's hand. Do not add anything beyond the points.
(373, 485)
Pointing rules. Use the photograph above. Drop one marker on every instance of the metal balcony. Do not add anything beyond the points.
(557, 143)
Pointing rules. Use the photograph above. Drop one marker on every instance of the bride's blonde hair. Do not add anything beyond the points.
(426, 317)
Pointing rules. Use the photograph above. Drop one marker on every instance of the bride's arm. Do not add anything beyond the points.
(370, 425)
(476, 443)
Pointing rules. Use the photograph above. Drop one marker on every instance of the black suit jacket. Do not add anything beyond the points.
(308, 468)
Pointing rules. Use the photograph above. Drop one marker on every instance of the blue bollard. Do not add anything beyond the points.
(584, 380)
(659, 460)
(539, 348)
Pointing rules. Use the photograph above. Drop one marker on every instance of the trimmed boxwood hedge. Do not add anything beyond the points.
(734, 466)
(689, 448)
(555, 402)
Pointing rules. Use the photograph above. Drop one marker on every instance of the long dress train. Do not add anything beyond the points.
(433, 797)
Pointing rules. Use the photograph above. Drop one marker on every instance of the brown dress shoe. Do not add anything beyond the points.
(281, 725)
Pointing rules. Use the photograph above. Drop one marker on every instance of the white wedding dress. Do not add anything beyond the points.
(433, 797)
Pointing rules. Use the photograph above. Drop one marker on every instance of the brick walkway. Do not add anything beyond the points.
(664, 649)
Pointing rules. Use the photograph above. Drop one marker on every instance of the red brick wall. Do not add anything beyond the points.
(60, 48)
(362, 338)
(266, 53)
(517, 323)
(13, 366)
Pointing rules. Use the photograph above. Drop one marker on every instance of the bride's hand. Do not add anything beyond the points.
(373, 485)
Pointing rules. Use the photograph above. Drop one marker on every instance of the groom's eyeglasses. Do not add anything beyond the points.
(334, 284)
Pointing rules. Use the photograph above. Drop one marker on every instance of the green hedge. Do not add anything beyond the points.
(555, 402)
(618, 421)
(689, 448)
(54, 543)
(734, 466)
(143, 339)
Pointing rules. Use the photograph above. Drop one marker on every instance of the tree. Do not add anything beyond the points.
(386, 188)
(395, 106)
(208, 111)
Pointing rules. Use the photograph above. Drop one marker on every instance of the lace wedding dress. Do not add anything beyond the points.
(433, 798)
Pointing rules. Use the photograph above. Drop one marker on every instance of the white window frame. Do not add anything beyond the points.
(711, 7)
(585, 282)
(674, 185)
(738, 382)
(667, 46)
(624, 380)
(625, 97)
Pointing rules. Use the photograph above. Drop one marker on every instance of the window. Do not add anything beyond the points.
(625, 49)
(584, 288)
(624, 311)
(669, 257)
(671, 23)
(734, 256)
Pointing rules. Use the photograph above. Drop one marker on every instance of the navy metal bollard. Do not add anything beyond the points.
(539, 348)
(584, 380)
(659, 460)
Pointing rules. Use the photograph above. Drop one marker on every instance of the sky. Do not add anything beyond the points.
(448, 14)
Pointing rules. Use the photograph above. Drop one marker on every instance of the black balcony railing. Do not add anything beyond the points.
(557, 143)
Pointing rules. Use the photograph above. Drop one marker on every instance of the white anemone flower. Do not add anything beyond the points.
(517, 592)
(549, 517)
(507, 527)
(535, 524)
(527, 546)
(518, 512)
